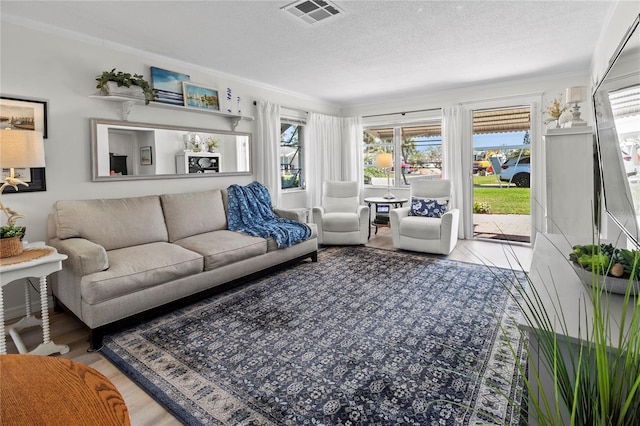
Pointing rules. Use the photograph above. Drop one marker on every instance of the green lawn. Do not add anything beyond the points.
(505, 200)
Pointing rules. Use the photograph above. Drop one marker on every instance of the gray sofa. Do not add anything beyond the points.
(131, 258)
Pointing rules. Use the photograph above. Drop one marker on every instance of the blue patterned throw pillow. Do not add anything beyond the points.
(428, 207)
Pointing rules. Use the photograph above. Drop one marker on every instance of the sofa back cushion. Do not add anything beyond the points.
(111, 223)
(193, 213)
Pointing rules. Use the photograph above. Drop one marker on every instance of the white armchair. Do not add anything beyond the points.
(418, 227)
(341, 220)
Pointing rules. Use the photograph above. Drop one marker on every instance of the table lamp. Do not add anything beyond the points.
(385, 161)
(18, 149)
(575, 95)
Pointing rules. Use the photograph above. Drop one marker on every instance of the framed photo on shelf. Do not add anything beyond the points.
(25, 114)
(167, 86)
(200, 97)
(145, 156)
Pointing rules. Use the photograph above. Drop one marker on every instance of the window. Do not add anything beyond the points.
(420, 148)
(291, 160)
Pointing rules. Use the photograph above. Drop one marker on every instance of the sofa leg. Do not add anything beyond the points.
(314, 256)
(57, 306)
(95, 339)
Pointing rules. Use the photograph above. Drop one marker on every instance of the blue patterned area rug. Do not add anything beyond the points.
(363, 337)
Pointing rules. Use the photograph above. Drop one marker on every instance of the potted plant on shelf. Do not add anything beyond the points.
(121, 83)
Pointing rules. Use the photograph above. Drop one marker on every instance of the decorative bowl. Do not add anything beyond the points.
(611, 284)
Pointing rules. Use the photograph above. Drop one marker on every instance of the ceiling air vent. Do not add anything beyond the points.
(312, 11)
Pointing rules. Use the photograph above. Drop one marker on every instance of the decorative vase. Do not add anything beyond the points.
(228, 104)
(10, 247)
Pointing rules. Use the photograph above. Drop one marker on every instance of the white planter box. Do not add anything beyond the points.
(113, 89)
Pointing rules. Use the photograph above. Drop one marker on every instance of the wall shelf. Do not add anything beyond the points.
(127, 104)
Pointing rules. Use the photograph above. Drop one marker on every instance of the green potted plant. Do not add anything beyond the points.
(11, 240)
(111, 80)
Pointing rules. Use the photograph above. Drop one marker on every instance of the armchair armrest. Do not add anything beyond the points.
(316, 217)
(449, 230)
(365, 223)
(85, 257)
(317, 213)
(395, 216)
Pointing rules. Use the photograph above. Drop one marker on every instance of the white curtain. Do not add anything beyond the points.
(352, 150)
(268, 149)
(452, 139)
(332, 146)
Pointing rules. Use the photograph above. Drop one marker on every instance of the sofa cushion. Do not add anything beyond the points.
(341, 222)
(193, 213)
(138, 267)
(112, 223)
(223, 247)
(426, 228)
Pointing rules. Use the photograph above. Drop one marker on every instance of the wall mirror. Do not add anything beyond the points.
(123, 150)
(616, 103)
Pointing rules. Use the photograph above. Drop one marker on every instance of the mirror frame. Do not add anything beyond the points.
(613, 191)
(94, 122)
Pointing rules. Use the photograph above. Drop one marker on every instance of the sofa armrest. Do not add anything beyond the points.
(298, 215)
(85, 257)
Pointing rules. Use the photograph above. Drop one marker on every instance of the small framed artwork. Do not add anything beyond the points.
(201, 97)
(167, 86)
(145, 156)
(25, 114)
(35, 177)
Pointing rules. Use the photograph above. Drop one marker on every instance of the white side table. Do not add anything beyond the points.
(40, 268)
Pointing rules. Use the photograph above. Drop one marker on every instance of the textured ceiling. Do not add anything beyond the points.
(375, 50)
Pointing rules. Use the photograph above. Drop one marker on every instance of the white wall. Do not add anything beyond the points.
(61, 69)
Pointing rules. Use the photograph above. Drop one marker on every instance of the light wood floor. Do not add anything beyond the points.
(144, 411)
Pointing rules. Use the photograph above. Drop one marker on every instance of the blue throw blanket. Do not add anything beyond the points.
(250, 212)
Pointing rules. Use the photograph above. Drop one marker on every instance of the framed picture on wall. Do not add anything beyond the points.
(167, 86)
(145, 156)
(201, 97)
(25, 114)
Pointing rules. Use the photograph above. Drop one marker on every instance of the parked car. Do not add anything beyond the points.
(517, 170)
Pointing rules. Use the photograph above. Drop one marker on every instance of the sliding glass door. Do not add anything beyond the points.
(502, 174)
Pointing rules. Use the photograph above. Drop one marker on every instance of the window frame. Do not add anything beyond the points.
(396, 144)
(300, 130)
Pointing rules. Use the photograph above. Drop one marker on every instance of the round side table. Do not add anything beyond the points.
(42, 390)
(395, 202)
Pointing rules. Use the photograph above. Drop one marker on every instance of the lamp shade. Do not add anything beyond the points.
(576, 94)
(384, 160)
(21, 149)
